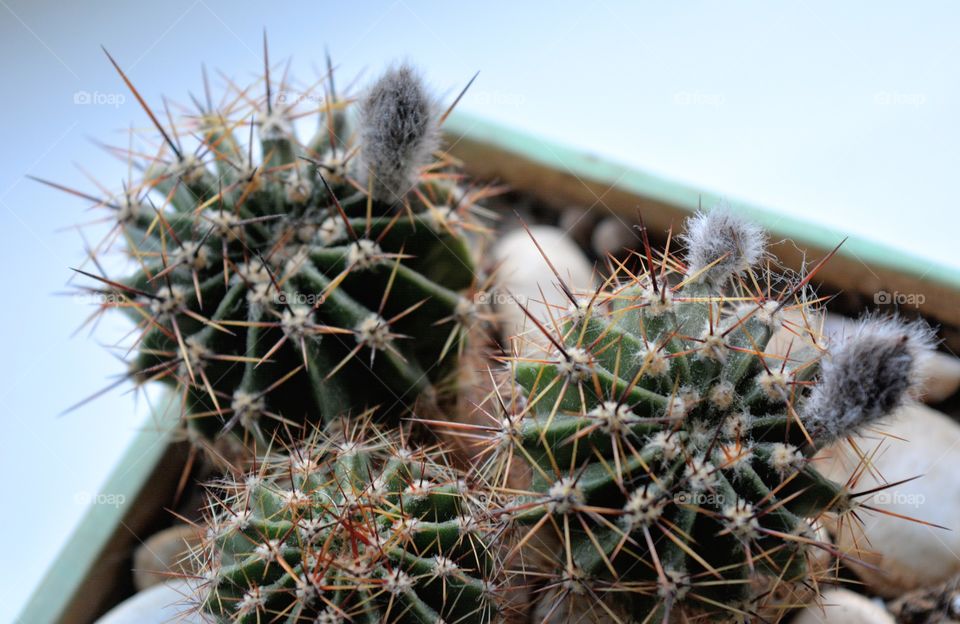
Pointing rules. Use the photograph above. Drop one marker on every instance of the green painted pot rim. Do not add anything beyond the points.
(586, 165)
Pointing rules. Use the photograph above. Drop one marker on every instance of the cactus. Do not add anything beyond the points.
(666, 455)
(327, 278)
(349, 528)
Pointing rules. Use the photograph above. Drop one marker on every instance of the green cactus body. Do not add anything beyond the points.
(358, 531)
(283, 292)
(664, 450)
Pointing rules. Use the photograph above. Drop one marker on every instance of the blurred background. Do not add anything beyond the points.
(843, 116)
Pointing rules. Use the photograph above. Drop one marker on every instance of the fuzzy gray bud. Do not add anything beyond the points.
(723, 237)
(870, 374)
(399, 131)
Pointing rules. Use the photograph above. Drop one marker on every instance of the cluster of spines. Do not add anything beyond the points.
(330, 277)
(665, 453)
(355, 527)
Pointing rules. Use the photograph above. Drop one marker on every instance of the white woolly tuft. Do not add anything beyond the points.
(871, 373)
(399, 131)
(722, 234)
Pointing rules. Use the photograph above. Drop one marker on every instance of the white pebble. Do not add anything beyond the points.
(167, 602)
(611, 236)
(842, 606)
(524, 272)
(163, 554)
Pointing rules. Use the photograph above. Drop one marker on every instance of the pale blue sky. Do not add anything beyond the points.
(844, 114)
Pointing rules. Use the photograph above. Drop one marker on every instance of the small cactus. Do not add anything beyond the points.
(666, 454)
(353, 528)
(325, 279)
